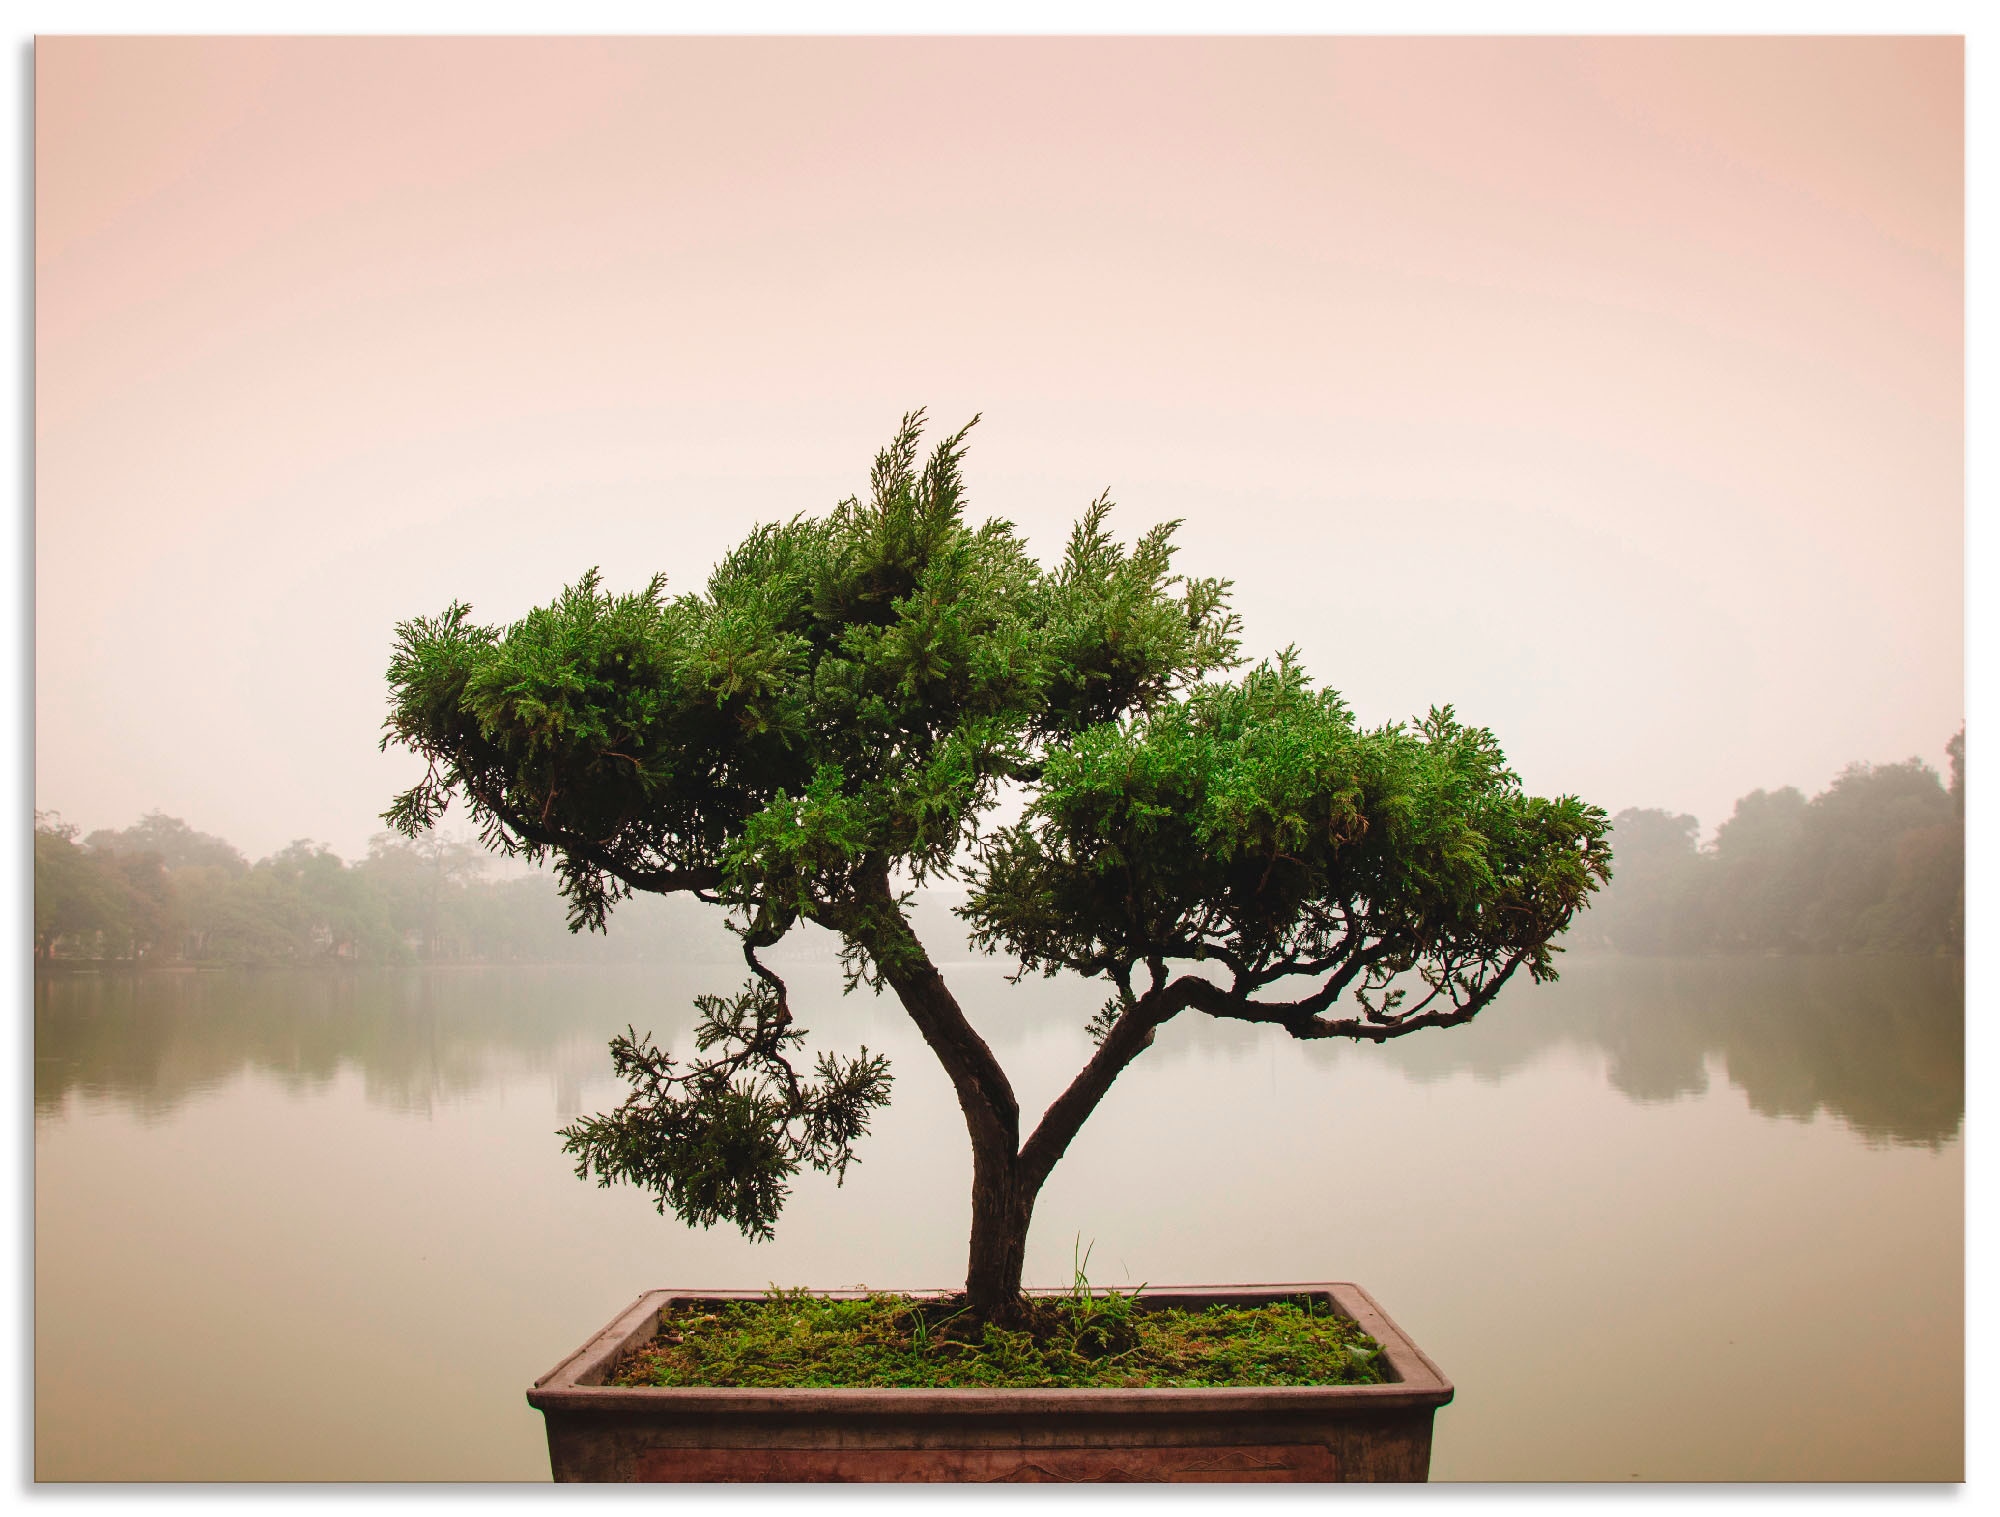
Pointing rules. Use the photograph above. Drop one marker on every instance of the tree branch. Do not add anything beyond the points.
(1136, 1028)
(1302, 1018)
(653, 881)
(1131, 1035)
(985, 1095)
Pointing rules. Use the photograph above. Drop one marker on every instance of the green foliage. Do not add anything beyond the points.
(1109, 1340)
(1255, 825)
(846, 688)
(719, 1139)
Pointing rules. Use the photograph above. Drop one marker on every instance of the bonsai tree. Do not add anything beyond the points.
(829, 724)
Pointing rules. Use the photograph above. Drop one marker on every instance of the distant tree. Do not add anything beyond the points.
(259, 919)
(99, 905)
(146, 923)
(1759, 893)
(1853, 835)
(178, 845)
(76, 899)
(422, 888)
(837, 718)
(1955, 753)
(1653, 904)
(204, 904)
(160, 890)
(332, 912)
(1922, 908)
(172, 874)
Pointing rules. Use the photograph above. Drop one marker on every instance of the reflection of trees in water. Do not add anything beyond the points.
(1875, 1042)
(418, 1035)
(150, 1041)
(1878, 1043)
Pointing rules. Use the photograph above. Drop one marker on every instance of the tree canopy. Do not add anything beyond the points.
(837, 716)
(847, 688)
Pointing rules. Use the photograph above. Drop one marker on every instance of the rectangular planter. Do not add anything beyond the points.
(1316, 1433)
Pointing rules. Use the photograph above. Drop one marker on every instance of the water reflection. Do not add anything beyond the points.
(1877, 1043)
(417, 1037)
(380, 1145)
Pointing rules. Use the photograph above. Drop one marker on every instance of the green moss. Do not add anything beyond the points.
(794, 1339)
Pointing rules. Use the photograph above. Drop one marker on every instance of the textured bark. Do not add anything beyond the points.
(1002, 1207)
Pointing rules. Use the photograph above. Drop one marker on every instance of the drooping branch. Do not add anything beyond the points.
(719, 1138)
(419, 808)
(567, 846)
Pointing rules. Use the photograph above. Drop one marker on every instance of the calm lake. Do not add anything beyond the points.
(1663, 1220)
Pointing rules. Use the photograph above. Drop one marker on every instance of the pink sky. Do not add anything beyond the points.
(1609, 389)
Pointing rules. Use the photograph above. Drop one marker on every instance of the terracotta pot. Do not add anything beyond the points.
(1331, 1432)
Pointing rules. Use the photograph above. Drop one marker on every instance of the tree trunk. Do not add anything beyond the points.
(1003, 1204)
(1003, 1193)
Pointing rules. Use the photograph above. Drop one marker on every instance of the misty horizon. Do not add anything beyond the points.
(454, 830)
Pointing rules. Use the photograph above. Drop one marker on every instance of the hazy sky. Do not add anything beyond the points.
(1611, 390)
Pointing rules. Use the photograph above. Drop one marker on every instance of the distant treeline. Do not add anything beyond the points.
(161, 892)
(1875, 863)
